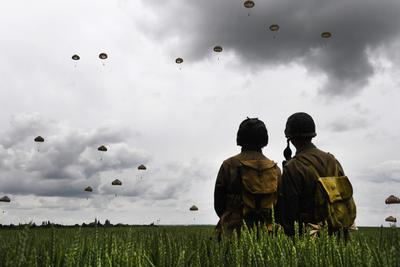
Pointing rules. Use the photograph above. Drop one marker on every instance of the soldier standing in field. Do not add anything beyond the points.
(313, 188)
(246, 185)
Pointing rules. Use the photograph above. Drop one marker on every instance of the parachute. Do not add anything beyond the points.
(75, 58)
(116, 182)
(89, 189)
(217, 49)
(103, 56)
(326, 35)
(274, 28)
(179, 60)
(391, 219)
(392, 200)
(102, 148)
(142, 167)
(194, 208)
(249, 4)
(5, 199)
(39, 139)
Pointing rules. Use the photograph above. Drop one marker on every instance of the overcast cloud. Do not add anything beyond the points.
(193, 28)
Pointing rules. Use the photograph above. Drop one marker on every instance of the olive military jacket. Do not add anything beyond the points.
(298, 184)
(228, 202)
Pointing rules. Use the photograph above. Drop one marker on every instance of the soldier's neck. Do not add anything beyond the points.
(303, 146)
(257, 149)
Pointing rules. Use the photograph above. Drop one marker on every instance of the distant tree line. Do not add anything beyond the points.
(48, 224)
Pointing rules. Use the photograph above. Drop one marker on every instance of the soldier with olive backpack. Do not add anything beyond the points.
(314, 189)
(247, 184)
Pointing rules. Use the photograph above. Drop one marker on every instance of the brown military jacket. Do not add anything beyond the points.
(227, 194)
(298, 184)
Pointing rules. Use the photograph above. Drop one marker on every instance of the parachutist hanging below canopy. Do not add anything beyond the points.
(274, 28)
(179, 61)
(38, 140)
(249, 4)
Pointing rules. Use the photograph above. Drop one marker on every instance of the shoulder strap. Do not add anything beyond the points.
(308, 163)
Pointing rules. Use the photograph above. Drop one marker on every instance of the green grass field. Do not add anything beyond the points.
(191, 246)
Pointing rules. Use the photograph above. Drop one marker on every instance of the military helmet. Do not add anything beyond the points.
(300, 124)
(252, 132)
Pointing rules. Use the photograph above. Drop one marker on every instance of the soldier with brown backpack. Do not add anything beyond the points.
(314, 189)
(246, 185)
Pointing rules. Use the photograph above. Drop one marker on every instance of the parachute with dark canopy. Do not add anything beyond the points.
(249, 4)
(39, 139)
(142, 167)
(75, 57)
(102, 148)
(179, 60)
(194, 208)
(103, 56)
(326, 35)
(217, 49)
(392, 200)
(89, 189)
(274, 27)
(391, 219)
(5, 199)
(116, 182)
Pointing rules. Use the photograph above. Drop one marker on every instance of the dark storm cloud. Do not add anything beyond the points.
(66, 162)
(358, 27)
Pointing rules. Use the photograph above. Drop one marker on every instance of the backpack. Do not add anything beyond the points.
(259, 189)
(333, 200)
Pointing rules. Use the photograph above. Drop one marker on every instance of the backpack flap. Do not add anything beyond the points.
(337, 188)
(259, 176)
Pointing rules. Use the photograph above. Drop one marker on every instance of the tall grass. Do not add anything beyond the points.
(191, 246)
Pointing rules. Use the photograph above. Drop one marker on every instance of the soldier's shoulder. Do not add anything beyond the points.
(231, 160)
(294, 163)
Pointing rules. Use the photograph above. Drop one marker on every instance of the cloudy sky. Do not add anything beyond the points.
(181, 121)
